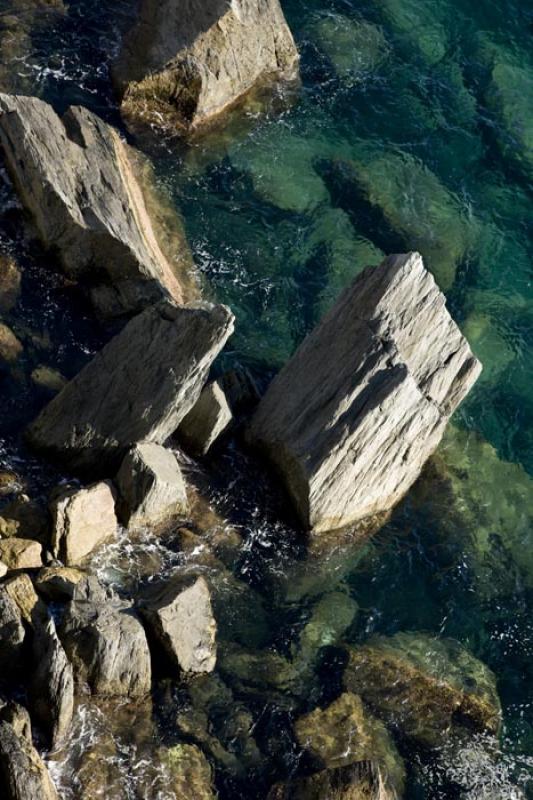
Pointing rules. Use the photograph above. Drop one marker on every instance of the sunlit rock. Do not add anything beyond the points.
(190, 774)
(77, 179)
(82, 520)
(184, 64)
(423, 687)
(18, 717)
(355, 48)
(23, 775)
(58, 583)
(138, 388)
(361, 781)
(207, 420)
(20, 553)
(351, 419)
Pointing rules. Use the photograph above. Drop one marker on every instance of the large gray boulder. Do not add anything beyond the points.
(82, 520)
(351, 419)
(76, 178)
(23, 775)
(138, 388)
(186, 62)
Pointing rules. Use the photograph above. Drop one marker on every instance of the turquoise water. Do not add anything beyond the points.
(413, 129)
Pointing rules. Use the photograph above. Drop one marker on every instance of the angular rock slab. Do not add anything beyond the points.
(351, 419)
(82, 520)
(206, 421)
(18, 553)
(138, 388)
(23, 775)
(74, 176)
(186, 62)
(151, 486)
(52, 684)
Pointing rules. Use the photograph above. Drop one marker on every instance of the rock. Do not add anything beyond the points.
(52, 684)
(510, 94)
(3, 569)
(58, 583)
(190, 774)
(106, 644)
(18, 717)
(48, 379)
(10, 280)
(151, 486)
(182, 65)
(345, 734)
(360, 781)
(182, 620)
(10, 347)
(76, 178)
(12, 635)
(138, 388)
(424, 687)
(20, 553)
(82, 520)
(20, 590)
(240, 389)
(25, 518)
(354, 415)
(206, 421)
(355, 48)
(23, 775)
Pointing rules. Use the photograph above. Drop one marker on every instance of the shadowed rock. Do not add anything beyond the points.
(138, 388)
(186, 62)
(206, 421)
(23, 775)
(351, 419)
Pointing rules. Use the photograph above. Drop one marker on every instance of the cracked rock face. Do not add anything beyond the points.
(351, 419)
(138, 388)
(75, 176)
(186, 61)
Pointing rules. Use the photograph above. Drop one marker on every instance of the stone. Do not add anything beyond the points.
(82, 520)
(138, 388)
(76, 178)
(355, 48)
(151, 486)
(23, 775)
(58, 583)
(424, 688)
(190, 773)
(18, 717)
(351, 419)
(51, 689)
(10, 347)
(3, 569)
(12, 635)
(10, 279)
(20, 590)
(106, 644)
(510, 94)
(20, 553)
(184, 64)
(207, 420)
(48, 379)
(182, 620)
(361, 781)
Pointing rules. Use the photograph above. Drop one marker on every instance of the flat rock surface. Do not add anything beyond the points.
(138, 388)
(351, 419)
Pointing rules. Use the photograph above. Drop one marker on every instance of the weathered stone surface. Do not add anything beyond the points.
(52, 684)
(82, 520)
(58, 583)
(190, 774)
(20, 553)
(361, 781)
(75, 176)
(206, 421)
(18, 717)
(138, 388)
(23, 776)
(182, 620)
(424, 687)
(12, 635)
(20, 590)
(352, 418)
(151, 486)
(106, 644)
(10, 347)
(10, 280)
(185, 63)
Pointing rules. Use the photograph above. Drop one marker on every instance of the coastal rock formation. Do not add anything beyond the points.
(182, 620)
(23, 775)
(151, 486)
(206, 421)
(75, 177)
(138, 388)
(83, 519)
(424, 687)
(185, 63)
(20, 553)
(351, 419)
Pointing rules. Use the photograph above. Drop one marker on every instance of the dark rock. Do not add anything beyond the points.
(207, 420)
(23, 776)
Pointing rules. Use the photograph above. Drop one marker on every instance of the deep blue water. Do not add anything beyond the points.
(413, 129)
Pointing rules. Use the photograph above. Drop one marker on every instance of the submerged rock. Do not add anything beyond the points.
(23, 775)
(183, 64)
(360, 781)
(76, 178)
(11, 347)
(18, 717)
(190, 774)
(10, 280)
(151, 486)
(355, 48)
(207, 420)
(424, 687)
(138, 388)
(351, 419)
(12, 635)
(82, 520)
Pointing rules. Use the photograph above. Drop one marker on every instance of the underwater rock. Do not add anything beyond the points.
(185, 63)
(181, 619)
(10, 279)
(51, 380)
(75, 177)
(20, 590)
(23, 775)
(151, 486)
(361, 781)
(82, 520)
(138, 388)
(351, 419)
(423, 687)
(355, 48)
(20, 553)
(207, 420)
(106, 644)
(18, 717)
(3, 569)
(511, 95)
(58, 583)
(190, 773)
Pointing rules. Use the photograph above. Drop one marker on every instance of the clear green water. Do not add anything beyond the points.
(413, 129)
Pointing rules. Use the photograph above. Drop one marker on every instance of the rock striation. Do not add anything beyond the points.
(351, 419)
(76, 178)
(138, 388)
(186, 62)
